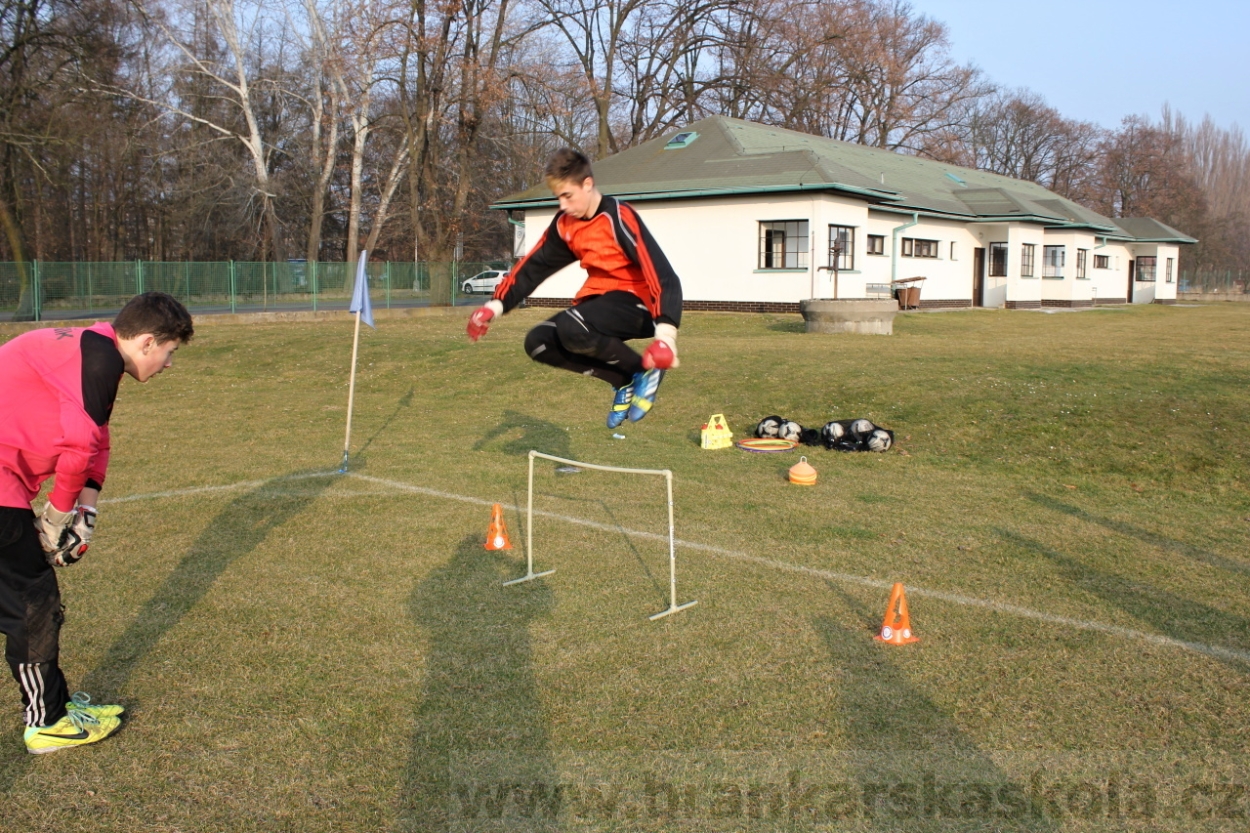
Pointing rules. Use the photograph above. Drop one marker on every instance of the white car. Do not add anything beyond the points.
(483, 281)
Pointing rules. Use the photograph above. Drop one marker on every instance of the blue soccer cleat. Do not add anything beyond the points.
(646, 384)
(620, 404)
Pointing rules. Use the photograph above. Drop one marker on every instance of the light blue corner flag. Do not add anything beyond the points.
(360, 296)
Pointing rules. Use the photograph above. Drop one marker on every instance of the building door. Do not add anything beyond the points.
(1132, 264)
(978, 277)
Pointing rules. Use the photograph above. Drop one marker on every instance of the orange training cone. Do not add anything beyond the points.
(497, 535)
(896, 628)
(802, 474)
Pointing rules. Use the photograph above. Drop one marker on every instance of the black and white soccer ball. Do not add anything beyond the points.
(862, 427)
(768, 426)
(831, 432)
(880, 439)
(790, 430)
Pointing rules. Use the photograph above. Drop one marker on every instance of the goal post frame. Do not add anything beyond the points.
(673, 606)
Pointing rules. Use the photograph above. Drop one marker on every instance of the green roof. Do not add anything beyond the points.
(731, 156)
(1152, 231)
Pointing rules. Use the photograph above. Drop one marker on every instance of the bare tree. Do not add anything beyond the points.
(322, 100)
(242, 29)
(45, 47)
(1219, 161)
(453, 77)
(901, 84)
(1018, 135)
(864, 71)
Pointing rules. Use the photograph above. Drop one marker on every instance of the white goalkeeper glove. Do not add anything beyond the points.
(65, 536)
(662, 352)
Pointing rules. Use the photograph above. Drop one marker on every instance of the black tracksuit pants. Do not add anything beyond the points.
(31, 616)
(589, 338)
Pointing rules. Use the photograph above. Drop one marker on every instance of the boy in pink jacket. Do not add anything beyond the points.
(57, 388)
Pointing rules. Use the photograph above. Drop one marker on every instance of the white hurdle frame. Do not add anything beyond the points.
(530, 575)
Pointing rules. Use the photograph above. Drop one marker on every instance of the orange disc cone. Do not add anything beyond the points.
(497, 535)
(896, 628)
(802, 474)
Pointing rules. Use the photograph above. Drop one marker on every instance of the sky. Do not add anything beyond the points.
(1101, 60)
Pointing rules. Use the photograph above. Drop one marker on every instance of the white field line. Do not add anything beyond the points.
(204, 490)
(1216, 651)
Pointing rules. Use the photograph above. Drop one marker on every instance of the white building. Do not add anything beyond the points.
(750, 216)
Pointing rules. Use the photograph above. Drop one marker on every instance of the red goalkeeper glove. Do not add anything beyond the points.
(662, 353)
(479, 321)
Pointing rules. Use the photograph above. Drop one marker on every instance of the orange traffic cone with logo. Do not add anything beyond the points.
(896, 628)
(497, 535)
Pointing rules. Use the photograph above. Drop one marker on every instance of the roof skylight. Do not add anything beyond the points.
(681, 140)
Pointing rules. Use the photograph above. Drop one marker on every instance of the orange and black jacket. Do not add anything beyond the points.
(617, 252)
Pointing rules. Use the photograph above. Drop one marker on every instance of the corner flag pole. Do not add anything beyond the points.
(360, 305)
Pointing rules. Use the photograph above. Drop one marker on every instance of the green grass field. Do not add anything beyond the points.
(1066, 503)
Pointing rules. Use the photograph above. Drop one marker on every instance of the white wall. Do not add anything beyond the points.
(948, 277)
(1145, 292)
(1165, 290)
(713, 245)
(1109, 284)
(1069, 289)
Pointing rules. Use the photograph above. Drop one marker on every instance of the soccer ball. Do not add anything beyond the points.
(831, 433)
(880, 440)
(862, 427)
(768, 426)
(790, 430)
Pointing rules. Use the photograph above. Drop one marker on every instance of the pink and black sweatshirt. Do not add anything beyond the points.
(57, 388)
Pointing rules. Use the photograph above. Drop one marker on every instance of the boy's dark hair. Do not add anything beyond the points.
(568, 165)
(156, 313)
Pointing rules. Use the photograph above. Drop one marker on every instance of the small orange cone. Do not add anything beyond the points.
(497, 535)
(896, 628)
(802, 474)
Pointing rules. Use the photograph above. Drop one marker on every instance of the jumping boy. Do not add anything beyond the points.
(57, 388)
(631, 292)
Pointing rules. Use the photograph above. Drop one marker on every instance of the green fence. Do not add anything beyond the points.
(40, 291)
(1225, 281)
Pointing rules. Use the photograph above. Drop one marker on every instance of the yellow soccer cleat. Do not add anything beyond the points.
(81, 701)
(76, 728)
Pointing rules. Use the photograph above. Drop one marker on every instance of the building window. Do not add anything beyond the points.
(1028, 253)
(953, 251)
(998, 260)
(1167, 276)
(1080, 263)
(842, 238)
(876, 244)
(915, 247)
(1146, 269)
(783, 245)
(1102, 261)
(1052, 261)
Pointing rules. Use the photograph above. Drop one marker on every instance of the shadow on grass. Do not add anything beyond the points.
(1143, 535)
(910, 766)
(479, 748)
(657, 550)
(236, 531)
(799, 326)
(1169, 614)
(404, 402)
(537, 435)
